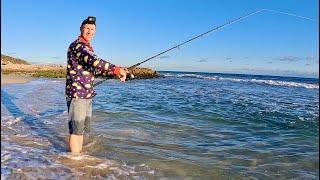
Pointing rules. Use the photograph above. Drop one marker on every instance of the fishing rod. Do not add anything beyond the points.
(131, 76)
(191, 39)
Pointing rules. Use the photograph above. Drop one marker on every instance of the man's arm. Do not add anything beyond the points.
(91, 60)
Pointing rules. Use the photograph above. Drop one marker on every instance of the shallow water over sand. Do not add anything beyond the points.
(184, 126)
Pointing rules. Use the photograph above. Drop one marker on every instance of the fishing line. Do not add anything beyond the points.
(198, 36)
(207, 32)
(290, 14)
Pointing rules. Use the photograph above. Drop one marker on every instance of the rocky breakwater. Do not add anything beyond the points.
(144, 73)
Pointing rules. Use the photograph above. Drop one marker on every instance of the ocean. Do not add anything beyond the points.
(181, 126)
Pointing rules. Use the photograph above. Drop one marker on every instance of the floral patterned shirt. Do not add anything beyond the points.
(82, 67)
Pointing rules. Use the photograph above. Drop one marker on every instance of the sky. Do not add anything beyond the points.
(130, 31)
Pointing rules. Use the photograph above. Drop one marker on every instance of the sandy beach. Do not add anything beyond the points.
(14, 79)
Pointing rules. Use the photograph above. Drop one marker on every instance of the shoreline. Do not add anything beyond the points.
(14, 79)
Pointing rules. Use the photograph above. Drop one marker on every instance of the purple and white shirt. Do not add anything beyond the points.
(82, 67)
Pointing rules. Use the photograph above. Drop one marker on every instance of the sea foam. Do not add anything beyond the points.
(253, 80)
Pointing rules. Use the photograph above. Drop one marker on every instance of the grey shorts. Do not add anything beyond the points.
(79, 115)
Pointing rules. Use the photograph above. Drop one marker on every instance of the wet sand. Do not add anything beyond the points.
(14, 79)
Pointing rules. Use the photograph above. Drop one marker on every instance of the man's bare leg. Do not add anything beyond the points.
(75, 143)
(80, 141)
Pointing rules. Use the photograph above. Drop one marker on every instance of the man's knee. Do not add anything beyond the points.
(76, 127)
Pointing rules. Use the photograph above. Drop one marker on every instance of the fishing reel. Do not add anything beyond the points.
(130, 76)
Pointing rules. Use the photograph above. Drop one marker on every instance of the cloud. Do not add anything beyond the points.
(164, 57)
(202, 60)
(307, 64)
(246, 57)
(55, 57)
(289, 58)
(312, 58)
(228, 59)
(269, 62)
(11, 53)
(277, 72)
(34, 62)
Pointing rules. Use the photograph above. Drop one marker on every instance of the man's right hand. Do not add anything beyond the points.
(123, 74)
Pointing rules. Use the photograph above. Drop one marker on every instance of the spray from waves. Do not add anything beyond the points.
(252, 80)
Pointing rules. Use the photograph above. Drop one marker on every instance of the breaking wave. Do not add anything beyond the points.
(247, 80)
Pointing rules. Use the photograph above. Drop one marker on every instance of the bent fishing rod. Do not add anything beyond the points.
(131, 76)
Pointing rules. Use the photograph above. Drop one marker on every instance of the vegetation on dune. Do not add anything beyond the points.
(48, 73)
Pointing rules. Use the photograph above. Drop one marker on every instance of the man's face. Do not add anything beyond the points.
(88, 31)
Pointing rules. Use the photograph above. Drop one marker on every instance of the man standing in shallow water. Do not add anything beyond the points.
(82, 67)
